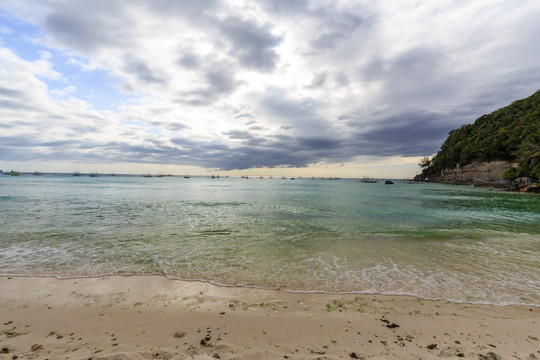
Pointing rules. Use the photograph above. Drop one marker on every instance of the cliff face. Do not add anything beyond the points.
(477, 172)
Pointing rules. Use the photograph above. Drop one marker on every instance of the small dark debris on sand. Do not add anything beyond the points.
(389, 325)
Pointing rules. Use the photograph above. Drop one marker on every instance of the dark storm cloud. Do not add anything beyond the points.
(335, 26)
(87, 26)
(184, 8)
(189, 60)
(327, 40)
(420, 75)
(289, 7)
(238, 134)
(143, 72)
(11, 104)
(409, 134)
(253, 45)
(318, 80)
(220, 80)
(300, 114)
(11, 93)
(318, 143)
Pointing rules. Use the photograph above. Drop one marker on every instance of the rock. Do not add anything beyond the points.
(216, 356)
(388, 182)
(531, 188)
(179, 334)
(36, 347)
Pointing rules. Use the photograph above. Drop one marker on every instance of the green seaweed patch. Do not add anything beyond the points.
(12, 334)
(343, 306)
(489, 356)
(235, 304)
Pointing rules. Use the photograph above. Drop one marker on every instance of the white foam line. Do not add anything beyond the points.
(219, 284)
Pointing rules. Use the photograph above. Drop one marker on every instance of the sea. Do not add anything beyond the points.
(432, 241)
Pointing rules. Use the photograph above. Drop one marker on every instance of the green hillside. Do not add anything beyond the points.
(511, 133)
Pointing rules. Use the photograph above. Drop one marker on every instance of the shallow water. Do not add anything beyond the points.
(430, 240)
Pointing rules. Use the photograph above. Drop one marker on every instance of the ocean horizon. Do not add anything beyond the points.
(433, 241)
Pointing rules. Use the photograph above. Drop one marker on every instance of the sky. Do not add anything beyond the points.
(270, 87)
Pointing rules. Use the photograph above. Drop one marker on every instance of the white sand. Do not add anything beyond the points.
(138, 317)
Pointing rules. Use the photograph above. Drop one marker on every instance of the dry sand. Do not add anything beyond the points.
(150, 317)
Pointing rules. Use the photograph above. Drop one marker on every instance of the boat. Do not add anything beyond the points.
(94, 174)
(14, 173)
(368, 180)
(187, 176)
(37, 173)
(389, 182)
(147, 175)
(76, 173)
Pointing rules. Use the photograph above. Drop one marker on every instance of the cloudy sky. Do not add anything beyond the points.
(342, 88)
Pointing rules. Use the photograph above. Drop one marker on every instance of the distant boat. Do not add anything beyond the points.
(14, 173)
(389, 182)
(113, 174)
(368, 180)
(94, 174)
(76, 173)
(187, 176)
(37, 173)
(147, 175)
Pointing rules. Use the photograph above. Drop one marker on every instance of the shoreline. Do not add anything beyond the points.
(145, 317)
(289, 291)
(503, 186)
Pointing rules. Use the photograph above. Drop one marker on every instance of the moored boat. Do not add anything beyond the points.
(368, 180)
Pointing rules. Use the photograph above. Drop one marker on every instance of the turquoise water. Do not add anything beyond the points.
(429, 240)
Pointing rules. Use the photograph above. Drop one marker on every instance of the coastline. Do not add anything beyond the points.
(503, 186)
(144, 317)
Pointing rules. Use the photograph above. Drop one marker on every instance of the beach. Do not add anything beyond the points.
(152, 317)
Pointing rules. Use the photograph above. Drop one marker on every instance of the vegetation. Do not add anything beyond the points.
(511, 133)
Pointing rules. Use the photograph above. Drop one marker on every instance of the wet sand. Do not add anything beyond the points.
(151, 317)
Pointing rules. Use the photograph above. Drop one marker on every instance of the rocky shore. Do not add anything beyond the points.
(482, 174)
